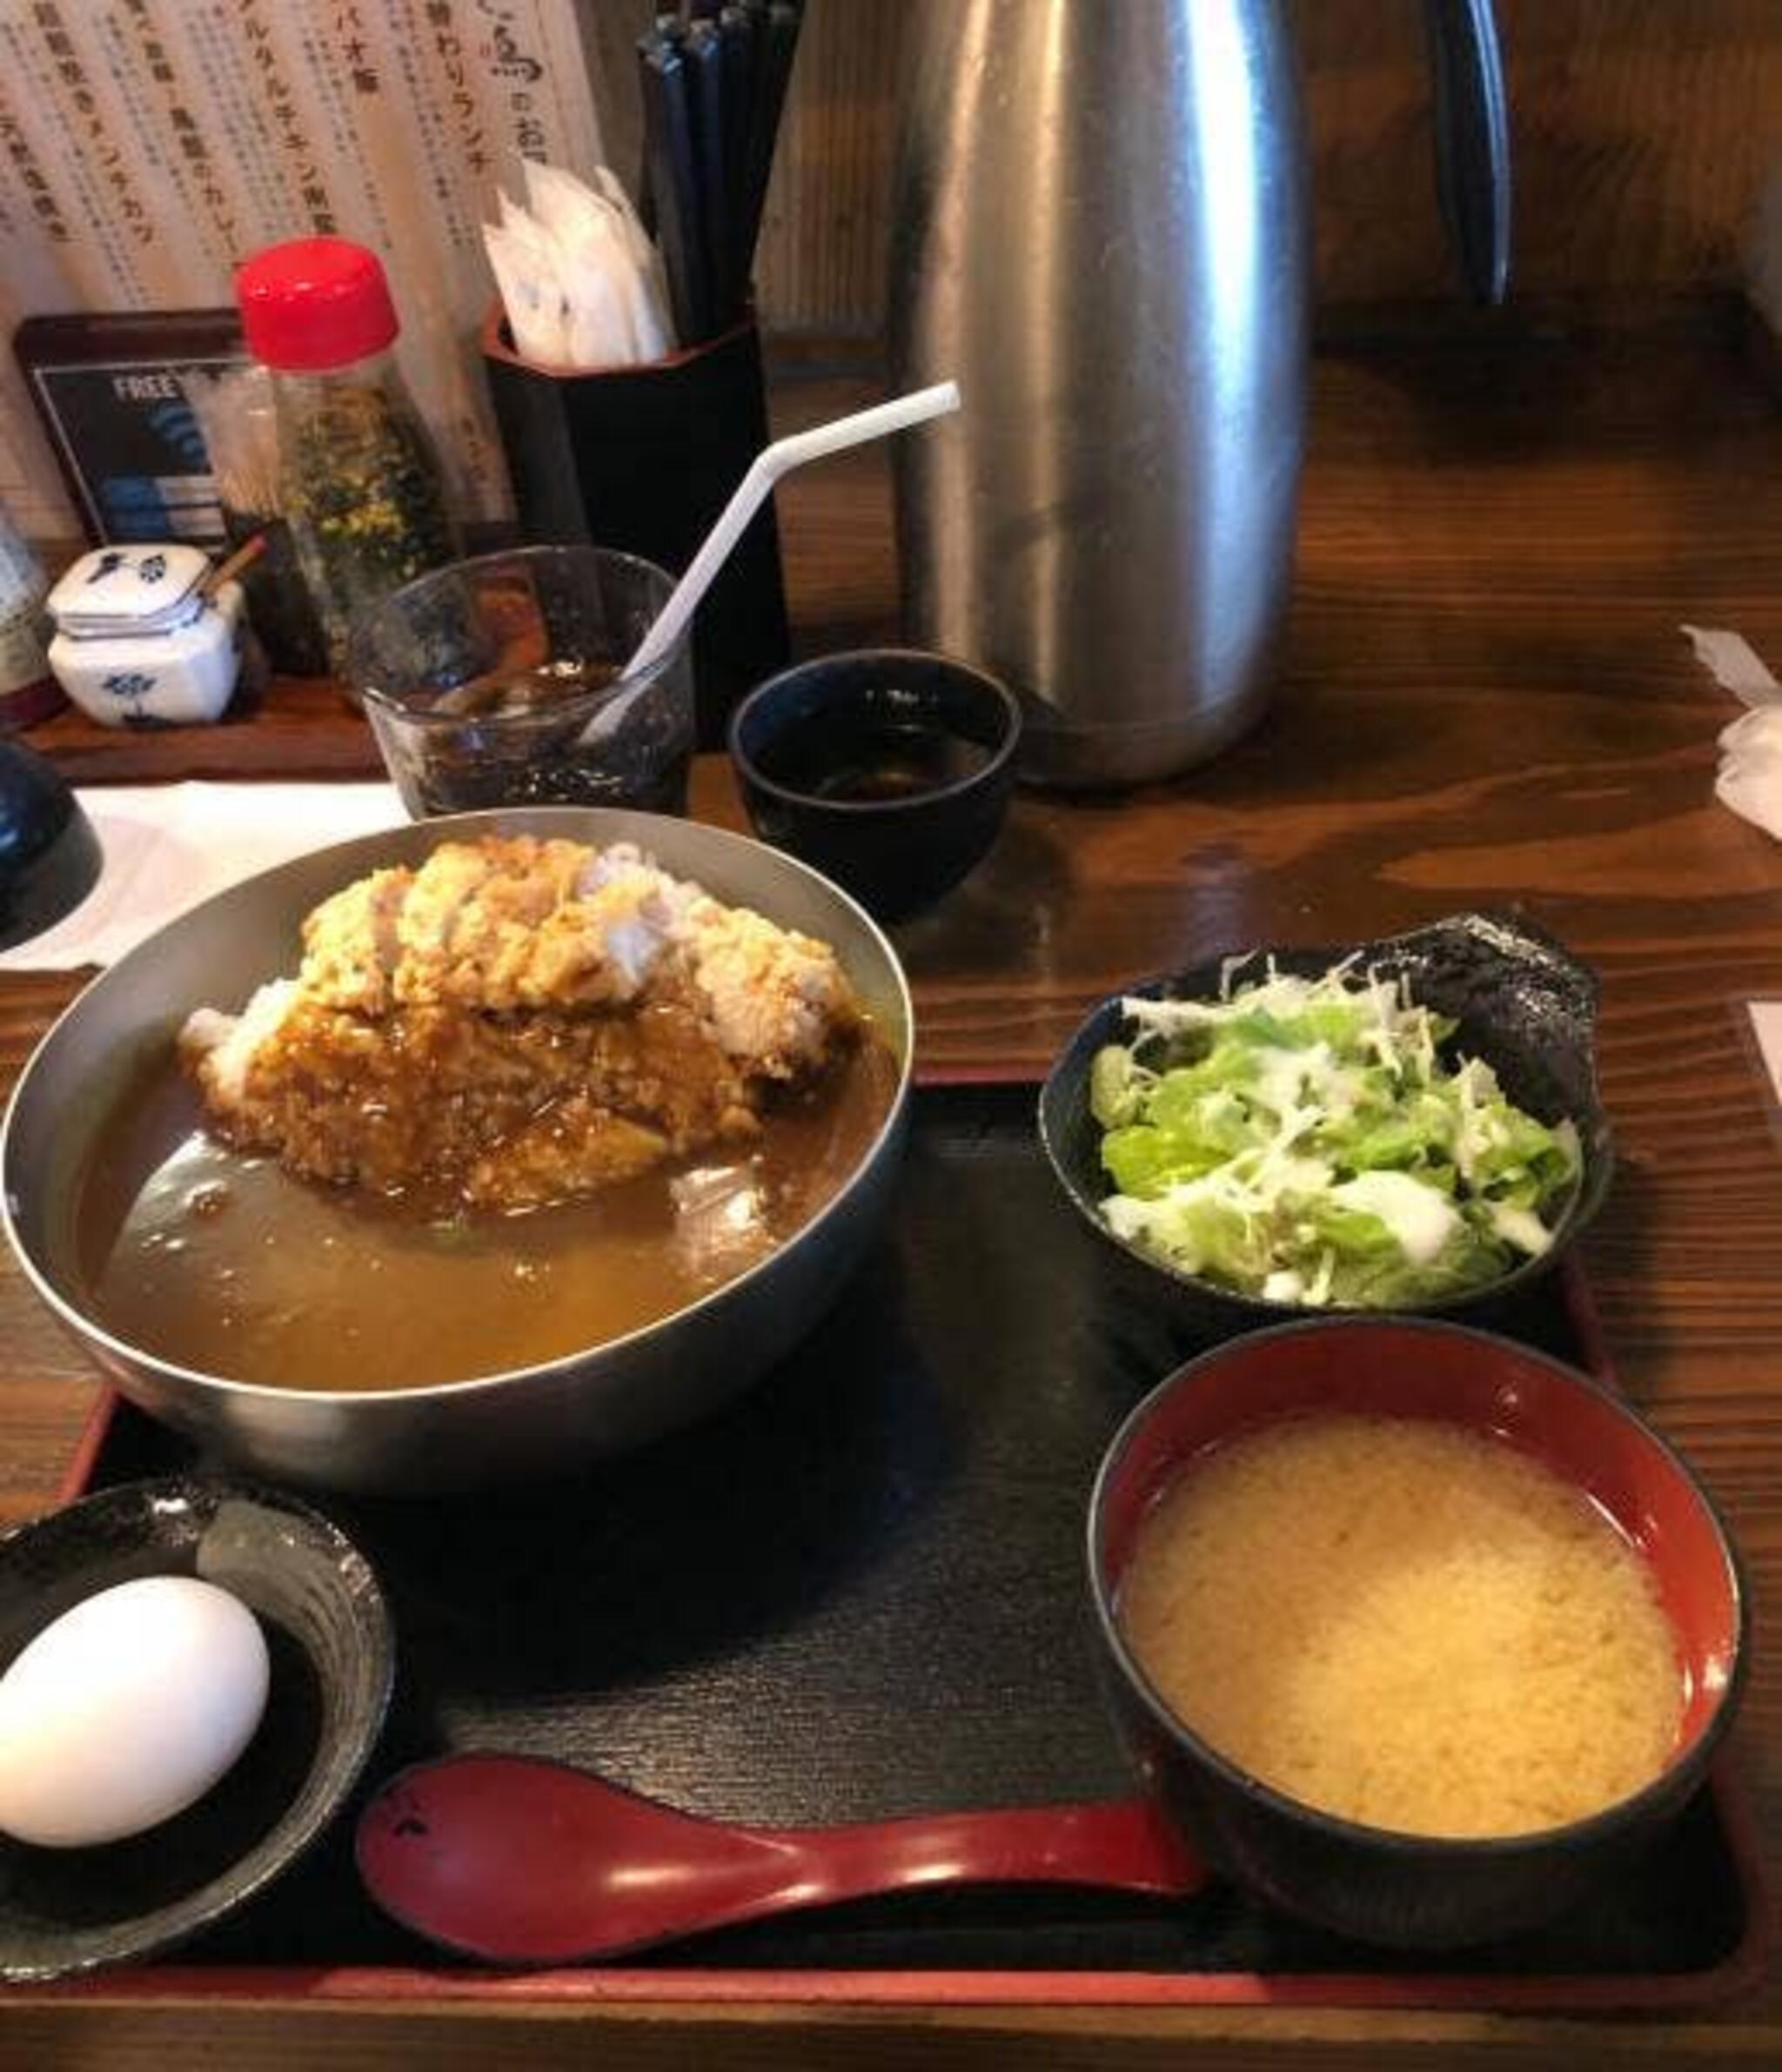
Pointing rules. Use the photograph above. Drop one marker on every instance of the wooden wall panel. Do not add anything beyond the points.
(1640, 133)
(1643, 131)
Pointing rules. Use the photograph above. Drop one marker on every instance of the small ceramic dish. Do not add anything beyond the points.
(1413, 1890)
(887, 770)
(1521, 1003)
(333, 1658)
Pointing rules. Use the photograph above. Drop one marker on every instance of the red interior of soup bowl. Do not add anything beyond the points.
(1409, 1368)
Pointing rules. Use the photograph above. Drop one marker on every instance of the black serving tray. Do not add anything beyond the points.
(858, 1592)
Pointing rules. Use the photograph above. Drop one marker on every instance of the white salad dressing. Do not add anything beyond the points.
(1286, 1079)
(1522, 1227)
(1420, 1218)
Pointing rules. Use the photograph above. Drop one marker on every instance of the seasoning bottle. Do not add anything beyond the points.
(28, 690)
(238, 418)
(359, 480)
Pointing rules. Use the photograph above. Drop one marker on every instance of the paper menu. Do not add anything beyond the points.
(150, 144)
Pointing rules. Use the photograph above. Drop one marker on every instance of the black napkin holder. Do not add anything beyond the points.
(643, 459)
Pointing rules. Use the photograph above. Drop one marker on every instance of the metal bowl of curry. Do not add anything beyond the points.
(246, 1282)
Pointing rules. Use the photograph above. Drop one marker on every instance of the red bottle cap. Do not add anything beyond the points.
(314, 303)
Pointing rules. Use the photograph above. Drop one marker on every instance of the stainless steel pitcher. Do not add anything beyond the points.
(1101, 232)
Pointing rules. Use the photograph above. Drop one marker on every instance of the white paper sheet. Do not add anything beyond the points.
(1766, 1025)
(169, 846)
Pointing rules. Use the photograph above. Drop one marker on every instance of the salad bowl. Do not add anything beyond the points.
(1518, 1002)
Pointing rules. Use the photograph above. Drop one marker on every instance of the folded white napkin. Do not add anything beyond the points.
(169, 846)
(1750, 776)
(1750, 779)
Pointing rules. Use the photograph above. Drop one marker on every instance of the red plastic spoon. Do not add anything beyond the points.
(519, 1862)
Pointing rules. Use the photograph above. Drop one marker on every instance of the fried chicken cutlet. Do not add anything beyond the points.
(516, 1023)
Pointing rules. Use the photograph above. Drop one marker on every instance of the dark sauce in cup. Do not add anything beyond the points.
(865, 756)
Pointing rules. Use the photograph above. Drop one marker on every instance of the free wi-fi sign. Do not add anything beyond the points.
(111, 394)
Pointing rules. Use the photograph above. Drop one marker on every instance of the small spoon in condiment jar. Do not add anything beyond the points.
(517, 1860)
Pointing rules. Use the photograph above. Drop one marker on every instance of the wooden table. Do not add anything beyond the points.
(1486, 701)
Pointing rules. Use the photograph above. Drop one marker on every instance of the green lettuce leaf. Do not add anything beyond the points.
(1223, 1155)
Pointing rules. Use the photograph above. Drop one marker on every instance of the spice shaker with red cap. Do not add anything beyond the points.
(359, 480)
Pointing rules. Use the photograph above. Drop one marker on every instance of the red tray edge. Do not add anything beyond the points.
(1737, 1973)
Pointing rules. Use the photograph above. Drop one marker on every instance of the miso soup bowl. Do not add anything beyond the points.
(600, 1401)
(1409, 1890)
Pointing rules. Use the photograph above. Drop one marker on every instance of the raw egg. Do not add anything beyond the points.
(126, 1709)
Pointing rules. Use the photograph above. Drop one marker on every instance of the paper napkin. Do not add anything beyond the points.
(168, 846)
(1750, 776)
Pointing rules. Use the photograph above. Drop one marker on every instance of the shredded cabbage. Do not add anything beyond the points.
(1303, 1140)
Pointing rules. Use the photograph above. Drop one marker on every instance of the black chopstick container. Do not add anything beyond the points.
(643, 459)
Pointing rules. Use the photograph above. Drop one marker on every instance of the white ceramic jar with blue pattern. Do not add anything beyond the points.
(141, 641)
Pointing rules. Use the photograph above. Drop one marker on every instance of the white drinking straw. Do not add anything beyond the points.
(777, 459)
